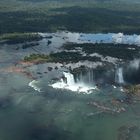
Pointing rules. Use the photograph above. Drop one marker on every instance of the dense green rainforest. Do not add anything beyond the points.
(78, 16)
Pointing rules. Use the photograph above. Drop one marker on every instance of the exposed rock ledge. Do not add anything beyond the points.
(133, 89)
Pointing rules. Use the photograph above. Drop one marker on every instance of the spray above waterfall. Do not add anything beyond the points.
(86, 82)
(70, 84)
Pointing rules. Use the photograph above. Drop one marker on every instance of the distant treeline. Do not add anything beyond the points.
(80, 18)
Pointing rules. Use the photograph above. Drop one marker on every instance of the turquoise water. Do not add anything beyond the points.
(60, 114)
(56, 114)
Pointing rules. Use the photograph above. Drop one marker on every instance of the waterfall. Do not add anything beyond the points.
(81, 77)
(119, 76)
(90, 74)
(70, 78)
(70, 84)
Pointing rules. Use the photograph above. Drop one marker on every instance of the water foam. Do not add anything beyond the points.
(70, 84)
(33, 84)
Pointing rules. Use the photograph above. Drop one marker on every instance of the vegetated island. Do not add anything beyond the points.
(60, 57)
(14, 38)
(119, 51)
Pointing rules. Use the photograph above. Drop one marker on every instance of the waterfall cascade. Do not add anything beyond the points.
(85, 77)
(119, 76)
(70, 84)
(70, 78)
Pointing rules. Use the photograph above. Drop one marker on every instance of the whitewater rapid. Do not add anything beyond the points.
(71, 85)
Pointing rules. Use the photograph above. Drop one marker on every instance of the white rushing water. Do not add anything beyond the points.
(119, 76)
(33, 84)
(70, 84)
(70, 78)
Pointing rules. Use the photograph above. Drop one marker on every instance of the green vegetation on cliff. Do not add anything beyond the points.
(37, 58)
(59, 57)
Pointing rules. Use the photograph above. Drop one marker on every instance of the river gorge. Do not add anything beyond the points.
(68, 85)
